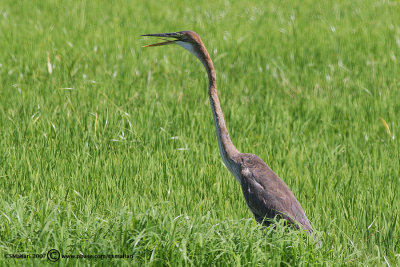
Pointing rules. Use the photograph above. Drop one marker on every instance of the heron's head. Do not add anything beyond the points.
(187, 39)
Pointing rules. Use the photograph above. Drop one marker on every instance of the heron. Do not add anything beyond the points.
(266, 195)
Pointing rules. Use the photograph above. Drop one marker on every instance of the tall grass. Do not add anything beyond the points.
(107, 148)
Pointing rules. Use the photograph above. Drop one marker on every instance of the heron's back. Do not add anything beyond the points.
(267, 195)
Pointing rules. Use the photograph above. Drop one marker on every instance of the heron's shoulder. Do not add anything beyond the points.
(255, 168)
(247, 160)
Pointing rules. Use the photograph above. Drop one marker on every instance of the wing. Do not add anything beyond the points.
(267, 195)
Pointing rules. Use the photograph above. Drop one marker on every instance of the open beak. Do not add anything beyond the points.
(162, 36)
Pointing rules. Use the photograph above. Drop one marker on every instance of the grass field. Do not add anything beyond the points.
(108, 148)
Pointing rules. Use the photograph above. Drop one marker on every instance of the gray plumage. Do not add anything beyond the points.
(266, 195)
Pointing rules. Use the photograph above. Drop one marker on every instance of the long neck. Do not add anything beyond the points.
(226, 147)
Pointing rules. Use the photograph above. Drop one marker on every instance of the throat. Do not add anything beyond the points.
(189, 47)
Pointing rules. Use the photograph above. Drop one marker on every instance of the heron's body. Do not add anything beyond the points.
(266, 195)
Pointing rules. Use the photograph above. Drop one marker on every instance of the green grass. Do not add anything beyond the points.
(91, 158)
